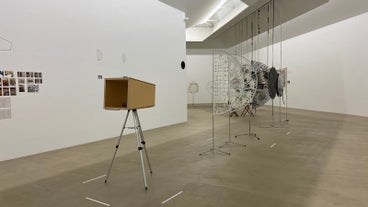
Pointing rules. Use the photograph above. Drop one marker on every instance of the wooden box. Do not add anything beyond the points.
(128, 93)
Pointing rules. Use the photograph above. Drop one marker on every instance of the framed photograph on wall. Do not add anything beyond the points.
(38, 81)
(21, 74)
(22, 89)
(38, 75)
(29, 74)
(30, 81)
(33, 88)
(9, 74)
(5, 82)
(12, 81)
(21, 81)
(13, 91)
(6, 92)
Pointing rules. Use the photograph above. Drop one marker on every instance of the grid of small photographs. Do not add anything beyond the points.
(13, 83)
(29, 82)
(8, 83)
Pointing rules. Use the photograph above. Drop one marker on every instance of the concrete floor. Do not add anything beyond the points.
(317, 159)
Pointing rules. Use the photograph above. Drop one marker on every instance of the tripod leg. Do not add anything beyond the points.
(140, 148)
(117, 146)
(250, 131)
(142, 140)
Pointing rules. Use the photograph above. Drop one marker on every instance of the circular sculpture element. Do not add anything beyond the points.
(250, 79)
(234, 84)
(193, 87)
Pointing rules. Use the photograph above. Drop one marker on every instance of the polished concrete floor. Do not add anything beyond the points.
(316, 159)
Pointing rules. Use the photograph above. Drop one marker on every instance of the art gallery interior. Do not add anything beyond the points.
(183, 103)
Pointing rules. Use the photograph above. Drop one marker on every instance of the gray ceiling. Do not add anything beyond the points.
(195, 10)
(314, 13)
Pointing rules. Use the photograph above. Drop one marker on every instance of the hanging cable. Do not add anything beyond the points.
(251, 42)
(273, 55)
(247, 42)
(258, 31)
(273, 30)
(268, 34)
(281, 65)
(246, 39)
(241, 43)
(280, 42)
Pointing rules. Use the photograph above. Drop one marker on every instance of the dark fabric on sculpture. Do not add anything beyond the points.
(262, 95)
(272, 82)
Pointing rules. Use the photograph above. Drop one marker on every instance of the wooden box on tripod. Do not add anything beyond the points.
(128, 93)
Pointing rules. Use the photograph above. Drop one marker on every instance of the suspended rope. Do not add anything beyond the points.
(273, 78)
(241, 43)
(281, 66)
(273, 30)
(251, 41)
(258, 32)
(268, 33)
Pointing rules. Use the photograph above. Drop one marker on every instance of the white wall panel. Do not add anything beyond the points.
(59, 39)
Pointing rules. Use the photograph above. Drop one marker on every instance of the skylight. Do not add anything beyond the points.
(220, 12)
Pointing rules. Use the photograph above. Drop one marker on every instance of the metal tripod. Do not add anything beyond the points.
(140, 142)
(213, 149)
(274, 124)
(249, 133)
(230, 141)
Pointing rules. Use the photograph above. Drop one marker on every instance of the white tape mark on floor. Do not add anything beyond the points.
(97, 201)
(96, 178)
(288, 133)
(163, 202)
(273, 145)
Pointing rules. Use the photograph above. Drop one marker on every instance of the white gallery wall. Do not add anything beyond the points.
(326, 67)
(142, 39)
(199, 70)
